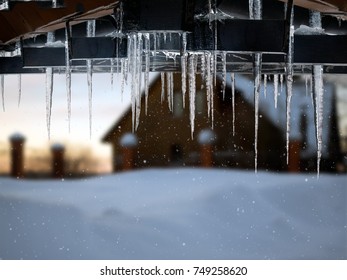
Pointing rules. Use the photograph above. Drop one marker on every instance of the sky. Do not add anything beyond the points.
(29, 118)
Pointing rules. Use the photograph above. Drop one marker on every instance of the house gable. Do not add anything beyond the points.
(165, 138)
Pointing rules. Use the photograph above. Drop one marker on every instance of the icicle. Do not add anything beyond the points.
(257, 83)
(162, 76)
(192, 91)
(265, 85)
(233, 99)
(184, 67)
(123, 74)
(147, 68)
(132, 43)
(215, 44)
(318, 92)
(49, 94)
(90, 33)
(169, 91)
(208, 82)
(203, 69)
(281, 83)
(276, 89)
(2, 85)
(138, 72)
(289, 88)
(90, 93)
(68, 76)
(49, 88)
(112, 62)
(255, 12)
(224, 73)
(211, 99)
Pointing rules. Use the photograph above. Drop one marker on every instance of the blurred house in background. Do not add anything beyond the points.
(164, 136)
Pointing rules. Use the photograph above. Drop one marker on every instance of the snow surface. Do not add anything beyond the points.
(176, 214)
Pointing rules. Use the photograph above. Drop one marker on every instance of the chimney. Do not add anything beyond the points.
(128, 143)
(17, 158)
(206, 139)
(58, 171)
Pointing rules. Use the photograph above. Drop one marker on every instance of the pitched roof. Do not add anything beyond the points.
(301, 104)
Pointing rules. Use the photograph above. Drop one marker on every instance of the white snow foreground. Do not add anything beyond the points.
(176, 214)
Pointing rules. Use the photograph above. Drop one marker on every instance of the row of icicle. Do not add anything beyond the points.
(137, 65)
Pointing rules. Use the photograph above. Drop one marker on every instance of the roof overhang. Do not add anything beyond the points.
(27, 20)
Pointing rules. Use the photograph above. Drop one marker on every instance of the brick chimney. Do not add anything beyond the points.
(17, 155)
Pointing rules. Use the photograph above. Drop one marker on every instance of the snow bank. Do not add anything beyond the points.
(175, 214)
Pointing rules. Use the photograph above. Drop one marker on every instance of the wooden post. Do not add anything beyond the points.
(58, 171)
(294, 156)
(17, 158)
(206, 139)
(128, 143)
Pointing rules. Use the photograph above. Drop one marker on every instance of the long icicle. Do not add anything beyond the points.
(318, 93)
(184, 56)
(208, 81)
(49, 88)
(257, 83)
(289, 81)
(132, 43)
(224, 73)
(90, 33)
(49, 94)
(147, 68)
(169, 89)
(232, 76)
(162, 78)
(192, 91)
(138, 74)
(68, 74)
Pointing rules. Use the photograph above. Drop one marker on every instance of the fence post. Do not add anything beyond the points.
(58, 161)
(17, 156)
(206, 139)
(128, 142)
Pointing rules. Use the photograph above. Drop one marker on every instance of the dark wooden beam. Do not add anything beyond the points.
(320, 49)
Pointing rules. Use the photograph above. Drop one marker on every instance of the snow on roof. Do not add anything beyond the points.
(17, 137)
(301, 104)
(176, 214)
(128, 140)
(206, 136)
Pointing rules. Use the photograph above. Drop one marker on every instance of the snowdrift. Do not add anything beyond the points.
(176, 214)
